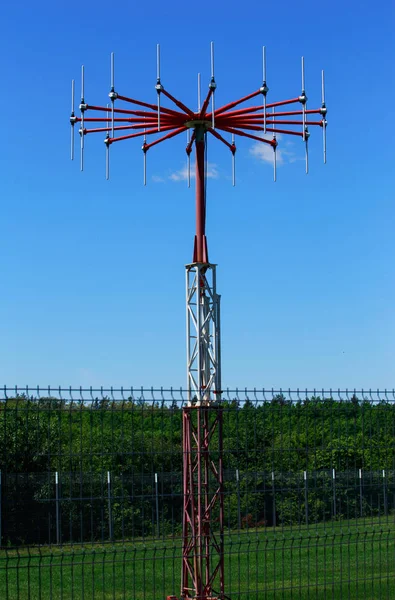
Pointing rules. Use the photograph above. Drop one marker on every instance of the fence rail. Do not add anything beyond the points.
(91, 493)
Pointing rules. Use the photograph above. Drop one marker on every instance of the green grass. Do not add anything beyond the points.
(352, 560)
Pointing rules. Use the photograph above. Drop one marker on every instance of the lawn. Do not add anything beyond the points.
(353, 560)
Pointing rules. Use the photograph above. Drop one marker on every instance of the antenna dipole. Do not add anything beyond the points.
(202, 572)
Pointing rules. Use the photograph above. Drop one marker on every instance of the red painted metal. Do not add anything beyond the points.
(200, 253)
(202, 576)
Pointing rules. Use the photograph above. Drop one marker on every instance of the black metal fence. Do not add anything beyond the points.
(91, 494)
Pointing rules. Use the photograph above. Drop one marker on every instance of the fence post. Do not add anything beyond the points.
(238, 500)
(274, 501)
(385, 495)
(157, 505)
(57, 512)
(1, 531)
(110, 531)
(334, 491)
(306, 499)
(360, 493)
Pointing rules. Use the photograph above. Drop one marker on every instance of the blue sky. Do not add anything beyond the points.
(93, 271)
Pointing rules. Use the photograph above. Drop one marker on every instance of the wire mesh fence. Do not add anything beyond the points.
(91, 494)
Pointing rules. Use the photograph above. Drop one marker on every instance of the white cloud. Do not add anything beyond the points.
(265, 152)
(157, 179)
(182, 174)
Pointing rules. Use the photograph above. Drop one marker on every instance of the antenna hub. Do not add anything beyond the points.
(73, 119)
(264, 89)
(323, 110)
(303, 98)
(198, 123)
(113, 95)
(212, 85)
(83, 107)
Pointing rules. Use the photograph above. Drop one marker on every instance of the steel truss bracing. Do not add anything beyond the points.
(202, 576)
(203, 334)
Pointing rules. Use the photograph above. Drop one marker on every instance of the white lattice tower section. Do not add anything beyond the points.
(203, 334)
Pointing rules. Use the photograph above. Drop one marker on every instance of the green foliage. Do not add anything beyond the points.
(133, 440)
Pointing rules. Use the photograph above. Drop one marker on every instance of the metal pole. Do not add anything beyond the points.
(306, 499)
(274, 501)
(110, 528)
(334, 491)
(200, 249)
(1, 531)
(57, 508)
(385, 495)
(360, 493)
(238, 500)
(157, 504)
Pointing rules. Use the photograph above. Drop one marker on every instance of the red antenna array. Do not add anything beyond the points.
(202, 573)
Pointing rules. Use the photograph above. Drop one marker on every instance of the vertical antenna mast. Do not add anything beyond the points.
(212, 86)
(73, 119)
(145, 156)
(106, 141)
(274, 147)
(233, 160)
(82, 109)
(323, 113)
(264, 88)
(303, 100)
(158, 86)
(113, 95)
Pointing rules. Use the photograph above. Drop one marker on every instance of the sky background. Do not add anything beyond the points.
(92, 271)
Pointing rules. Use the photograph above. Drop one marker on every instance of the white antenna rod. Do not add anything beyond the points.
(112, 94)
(275, 150)
(158, 83)
(82, 116)
(107, 145)
(264, 87)
(199, 91)
(307, 150)
(233, 162)
(303, 96)
(213, 86)
(72, 116)
(188, 159)
(324, 114)
(145, 158)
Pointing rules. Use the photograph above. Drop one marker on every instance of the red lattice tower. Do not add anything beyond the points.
(202, 573)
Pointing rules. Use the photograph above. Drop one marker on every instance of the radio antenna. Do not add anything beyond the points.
(303, 100)
(82, 109)
(73, 119)
(199, 92)
(323, 113)
(202, 560)
(274, 147)
(264, 88)
(212, 86)
(158, 86)
(106, 141)
(233, 149)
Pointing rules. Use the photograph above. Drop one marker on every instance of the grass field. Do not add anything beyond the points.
(353, 560)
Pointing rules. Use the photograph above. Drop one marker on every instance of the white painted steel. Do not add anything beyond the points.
(203, 335)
